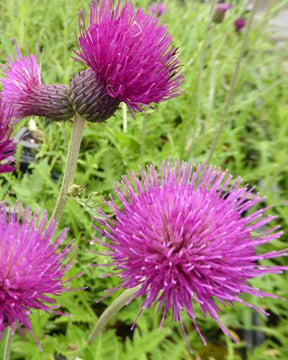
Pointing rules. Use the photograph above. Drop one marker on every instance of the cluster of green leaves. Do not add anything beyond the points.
(253, 145)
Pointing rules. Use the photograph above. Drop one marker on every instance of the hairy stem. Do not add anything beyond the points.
(229, 96)
(125, 118)
(110, 312)
(73, 152)
(7, 346)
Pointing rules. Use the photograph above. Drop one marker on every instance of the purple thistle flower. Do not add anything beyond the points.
(130, 54)
(31, 265)
(7, 144)
(185, 237)
(220, 11)
(158, 9)
(239, 24)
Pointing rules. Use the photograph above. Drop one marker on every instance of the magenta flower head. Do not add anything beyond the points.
(31, 265)
(220, 11)
(24, 92)
(7, 144)
(239, 24)
(158, 9)
(184, 236)
(129, 54)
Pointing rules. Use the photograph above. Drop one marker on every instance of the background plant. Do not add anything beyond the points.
(254, 146)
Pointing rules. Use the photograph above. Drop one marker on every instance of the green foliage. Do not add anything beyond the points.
(253, 145)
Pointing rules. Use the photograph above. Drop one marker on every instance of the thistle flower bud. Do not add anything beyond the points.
(49, 101)
(220, 11)
(88, 97)
(239, 25)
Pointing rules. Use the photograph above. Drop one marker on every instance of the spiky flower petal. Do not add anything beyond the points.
(7, 144)
(131, 54)
(185, 236)
(31, 265)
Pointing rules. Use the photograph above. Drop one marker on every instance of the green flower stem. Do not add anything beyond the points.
(73, 152)
(125, 118)
(143, 135)
(111, 311)
(230, 93)
(7, 347)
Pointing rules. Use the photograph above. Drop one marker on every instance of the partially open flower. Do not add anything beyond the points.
(220, 11)
(184, 235)
(31, 265)
(130, 54)
(7, 143)
(24, 93)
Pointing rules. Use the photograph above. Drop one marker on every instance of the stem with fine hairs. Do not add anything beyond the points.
(73, 152)
(125, 118)
(7, 346)
(117, 305)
